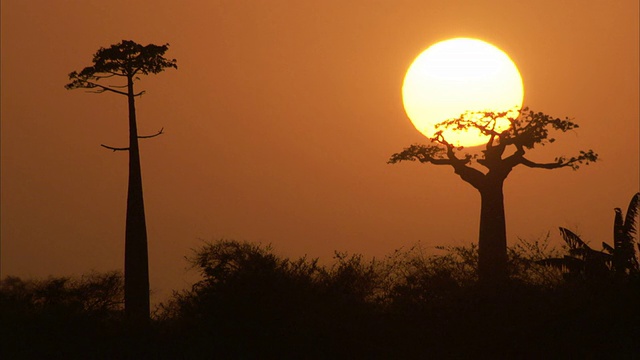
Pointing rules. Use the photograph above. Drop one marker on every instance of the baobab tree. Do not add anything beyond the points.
(503, 151)
(126, 61)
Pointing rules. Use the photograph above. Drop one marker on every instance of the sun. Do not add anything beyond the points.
(459, 75)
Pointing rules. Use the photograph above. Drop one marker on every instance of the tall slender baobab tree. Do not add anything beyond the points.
(503, 151)
(126, 61)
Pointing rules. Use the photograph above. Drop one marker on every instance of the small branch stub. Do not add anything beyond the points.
(160, 132)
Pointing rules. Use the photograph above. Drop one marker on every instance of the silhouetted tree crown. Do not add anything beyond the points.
(125, 59)
(527, 130)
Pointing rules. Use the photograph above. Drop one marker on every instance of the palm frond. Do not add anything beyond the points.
(573, 241)
(619, 236)
(630, 221)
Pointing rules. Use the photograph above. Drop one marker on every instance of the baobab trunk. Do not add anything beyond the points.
(136, 263)
(492, 243)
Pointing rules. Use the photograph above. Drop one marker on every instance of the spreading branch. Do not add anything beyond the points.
(160, 132)
(574, 162)
(422, 153)
(101, 88)
(434, 154)
(114, 148)
(532, 164)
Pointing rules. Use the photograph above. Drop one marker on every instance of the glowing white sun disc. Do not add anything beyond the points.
(459, 75)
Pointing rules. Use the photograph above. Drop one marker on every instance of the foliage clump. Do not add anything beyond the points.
(356, 307)
(60, 317)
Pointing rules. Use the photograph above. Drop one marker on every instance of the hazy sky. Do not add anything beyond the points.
(279, 122)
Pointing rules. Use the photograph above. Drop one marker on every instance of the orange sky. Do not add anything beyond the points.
(279, 122)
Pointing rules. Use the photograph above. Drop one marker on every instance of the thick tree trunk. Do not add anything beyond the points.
(492, 246)
(136, 263)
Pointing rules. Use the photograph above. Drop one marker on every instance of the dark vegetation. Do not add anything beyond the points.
(251, 303)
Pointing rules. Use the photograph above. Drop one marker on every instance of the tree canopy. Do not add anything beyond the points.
(526, 131)
(125, 59)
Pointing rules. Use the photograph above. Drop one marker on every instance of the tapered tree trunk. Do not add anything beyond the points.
(492, 244)
(136, 263)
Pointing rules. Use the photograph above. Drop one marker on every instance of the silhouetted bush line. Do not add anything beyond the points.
(252, 304)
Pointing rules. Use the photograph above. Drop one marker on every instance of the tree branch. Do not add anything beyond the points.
(104, 88)
(116, 73)
(574, 162)
(422, 153)
(160, 132)
(473, 176)
(514, 159)
(98, 77)
(451, 155)
(114, 148)
(434, 154)
(531, 164)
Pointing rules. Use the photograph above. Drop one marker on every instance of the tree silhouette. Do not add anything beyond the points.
(128, 60)
(503, 151)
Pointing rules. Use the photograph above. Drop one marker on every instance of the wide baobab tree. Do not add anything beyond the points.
(487, 170)
(115, 70)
